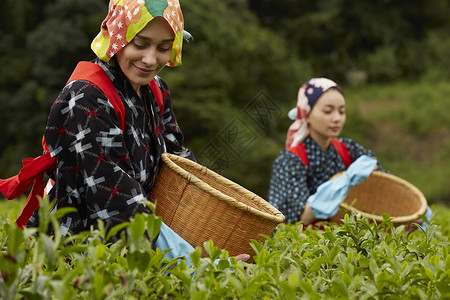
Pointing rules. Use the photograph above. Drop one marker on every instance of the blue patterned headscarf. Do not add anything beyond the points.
(308, 95)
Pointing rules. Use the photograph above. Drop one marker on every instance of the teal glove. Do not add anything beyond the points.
(325, 202)
(428, 214)
(169, 239)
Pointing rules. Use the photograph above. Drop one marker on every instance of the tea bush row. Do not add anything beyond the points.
(355, 260)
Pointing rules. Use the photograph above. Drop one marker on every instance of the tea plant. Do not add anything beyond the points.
(355, 260)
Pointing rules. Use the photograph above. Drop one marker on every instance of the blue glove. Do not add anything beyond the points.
(169, 239)
(325, 202)
(428, 214)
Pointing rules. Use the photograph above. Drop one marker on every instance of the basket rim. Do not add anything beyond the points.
(170, 159)
(402, 219)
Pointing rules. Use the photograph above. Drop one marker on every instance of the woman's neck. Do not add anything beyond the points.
(139, 92)
(322, 141)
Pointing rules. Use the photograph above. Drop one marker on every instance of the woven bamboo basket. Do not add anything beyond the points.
(199, 205)
(383, 193)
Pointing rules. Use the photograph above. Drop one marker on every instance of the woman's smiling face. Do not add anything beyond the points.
(147, 54)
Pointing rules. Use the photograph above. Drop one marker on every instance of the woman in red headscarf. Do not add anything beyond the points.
(105, 167)
(110, 124)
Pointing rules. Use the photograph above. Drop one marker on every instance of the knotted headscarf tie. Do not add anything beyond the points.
(308, 95)
(126, 18)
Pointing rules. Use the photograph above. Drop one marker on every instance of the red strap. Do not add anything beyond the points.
(340, 147)
(342, 150)
(158, 95)
(300, 151)
(94, 73)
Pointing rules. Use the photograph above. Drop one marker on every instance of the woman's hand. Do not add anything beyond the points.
(242, 257)
(410, 227)
(307, 217)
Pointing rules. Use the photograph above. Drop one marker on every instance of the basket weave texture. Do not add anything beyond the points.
(199, 204)
(384, 193)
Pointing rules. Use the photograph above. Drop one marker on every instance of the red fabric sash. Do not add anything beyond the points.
(33, 172)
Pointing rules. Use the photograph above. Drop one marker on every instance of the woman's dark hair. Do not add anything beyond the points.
(337, 88)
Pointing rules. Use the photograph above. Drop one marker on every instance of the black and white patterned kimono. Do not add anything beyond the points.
(102, 171)
(292, 182)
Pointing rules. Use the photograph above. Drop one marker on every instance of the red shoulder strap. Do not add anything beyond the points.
(94, 73)
(300, 151)
(342, 150)
(340, 147)
(158, 95)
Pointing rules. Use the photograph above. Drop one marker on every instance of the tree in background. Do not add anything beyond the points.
(40, 44)
(382, 40)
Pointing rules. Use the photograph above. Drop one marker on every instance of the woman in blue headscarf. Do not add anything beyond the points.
(313, 153)
(300, 186)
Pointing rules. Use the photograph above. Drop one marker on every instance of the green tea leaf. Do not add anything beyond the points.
(137, 227)
(61, 212)
(153, 225)
(339, 287)
(115, 230)
(373, 267)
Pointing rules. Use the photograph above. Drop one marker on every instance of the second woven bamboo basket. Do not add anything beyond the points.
(384, 193)
(199, 205)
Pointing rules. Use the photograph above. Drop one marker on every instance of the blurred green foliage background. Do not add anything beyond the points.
(241, 74)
